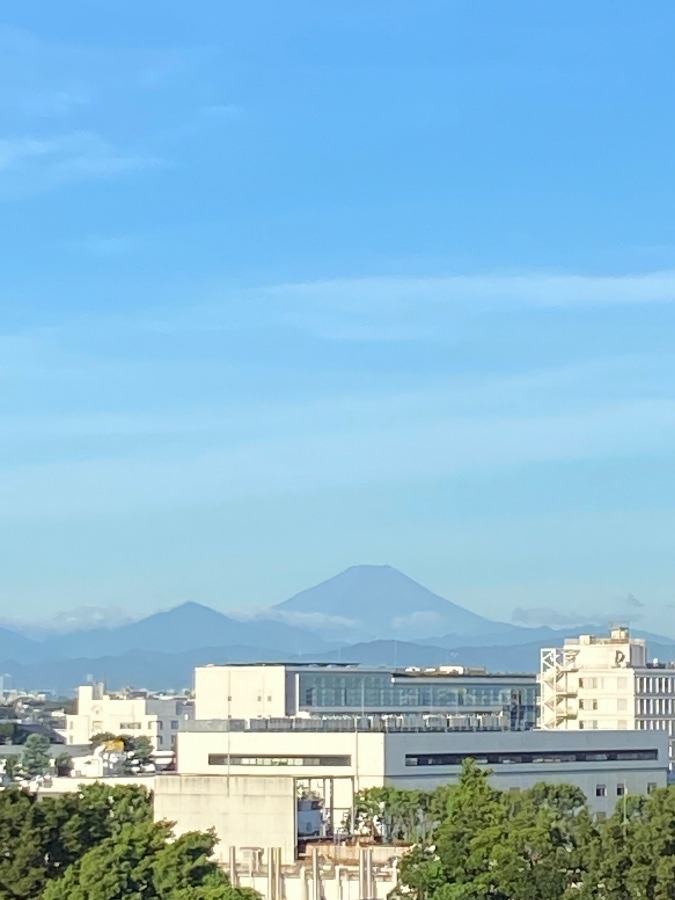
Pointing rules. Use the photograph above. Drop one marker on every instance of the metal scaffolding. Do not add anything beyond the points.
(559, 684)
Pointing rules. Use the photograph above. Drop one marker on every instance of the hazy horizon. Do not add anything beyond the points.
(628, 612)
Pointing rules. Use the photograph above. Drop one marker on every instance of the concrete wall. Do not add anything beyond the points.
(52, 786)
(283, 753)
(245, 811)
(240, 692)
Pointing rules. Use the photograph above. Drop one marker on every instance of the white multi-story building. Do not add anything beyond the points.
(138, 713)
(606, 683)
(271, 746)
(230, 774)
(277, 690)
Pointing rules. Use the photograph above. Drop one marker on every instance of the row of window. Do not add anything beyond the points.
(491, 759)
(646, 684)
(621, 790)
(656, 684)
(656, 706)
(661, 725)
(593, 683)
(134, 726)
(621, 704)
(379, 691)
(225, 759)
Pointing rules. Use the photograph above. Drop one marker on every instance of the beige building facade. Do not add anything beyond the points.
(598, 683)
(134, 713)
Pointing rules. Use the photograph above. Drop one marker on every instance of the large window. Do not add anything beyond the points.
(547, 758)
(222, 759)
(375, 691)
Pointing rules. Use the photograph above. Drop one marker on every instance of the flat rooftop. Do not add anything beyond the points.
(365, 724)
(440, 671)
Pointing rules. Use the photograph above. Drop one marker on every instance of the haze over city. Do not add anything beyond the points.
(289, 288)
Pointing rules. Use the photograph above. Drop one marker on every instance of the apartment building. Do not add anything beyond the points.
(607, 682)
(278, 690)
(136, 713)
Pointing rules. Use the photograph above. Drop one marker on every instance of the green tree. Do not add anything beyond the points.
(140, 750)
(63, 764)
(475, 806)
(119, 868)
(40, 840)
(523, 845)
(451, 870)
(141, 863)
(35, 757)
(101, 737)
(22, 873)
(7, 732)
(537, 850)
(12, 766)
(635, 856)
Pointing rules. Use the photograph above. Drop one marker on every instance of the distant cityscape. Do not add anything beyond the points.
(278, 753)
(274, 753)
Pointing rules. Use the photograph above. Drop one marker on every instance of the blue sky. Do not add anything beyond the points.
(287, 287)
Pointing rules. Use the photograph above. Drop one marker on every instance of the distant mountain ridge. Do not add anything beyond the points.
(185, 627)
(373, 615)
(381, 602)
(155, 670)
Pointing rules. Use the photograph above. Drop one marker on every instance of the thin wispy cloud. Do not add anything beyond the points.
(391, 309)
(32, 164)
(329, 456)
(403, 309)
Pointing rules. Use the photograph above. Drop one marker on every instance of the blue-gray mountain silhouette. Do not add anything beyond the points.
(381, 602)
(185, 627)
(370, 614)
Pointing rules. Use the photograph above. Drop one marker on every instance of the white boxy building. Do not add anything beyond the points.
(225, 769)
(137, 713)
(275, 690)
(593, 683)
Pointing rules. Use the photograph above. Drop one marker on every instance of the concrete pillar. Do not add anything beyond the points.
(316, 875)
(304, 887)
(339, 883)
(232, 855)
(270, 874)
(277, 874)
(370, 881)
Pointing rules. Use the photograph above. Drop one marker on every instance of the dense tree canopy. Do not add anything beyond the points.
(541, 844)
(101, 844)
(470, 842)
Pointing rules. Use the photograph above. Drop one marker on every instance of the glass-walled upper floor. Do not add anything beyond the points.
(355, 691)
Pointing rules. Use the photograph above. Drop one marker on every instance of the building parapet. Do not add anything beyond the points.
(368, 723)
